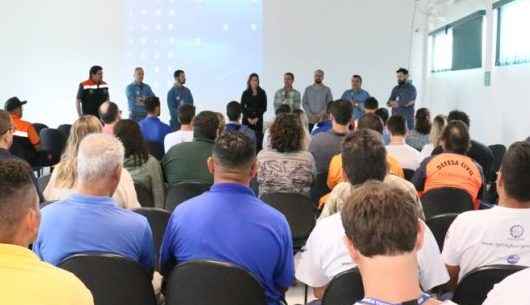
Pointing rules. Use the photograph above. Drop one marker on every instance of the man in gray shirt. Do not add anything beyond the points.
(403, 98)
(316, 98)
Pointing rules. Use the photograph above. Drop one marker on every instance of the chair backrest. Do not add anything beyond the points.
(155, 149)
(439, 225)
(409, 174)
(65, 129)
(112, 279)
(319, 188)
(181, 192)
(23, 149)
(346, 288)
(446, 200)
(474, 287)
(53, 141)
(39, 126)
(298, 209)
(158, 219)
(144, 195)
(212, 283)
(42, 182)
(498, 151)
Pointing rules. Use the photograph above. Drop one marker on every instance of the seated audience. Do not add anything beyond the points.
(186, 113)
(419, 136)
(267, 135)
(286, 168)
(305, 123)
(384, 115)
(438, 125)
(407, 156)
(496, 235)
(109, 115)
(452, 168)
(90, 220)
(253, 235)
(327, 144)
(187, 161)
(371, 105)
(233, 112)
(22, 128)
(25, 279)
(152, 128)
(325, 124)
(512, 290)
(144, 168)
(384, 238)
(65, 172)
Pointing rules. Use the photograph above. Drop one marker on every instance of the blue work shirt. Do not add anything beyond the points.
(404, 94)
(154, 130)
(133, 92)
(177, 95)
(235, 126)
(93, 224)
(324, 126)
(360, 96)
(230, 224)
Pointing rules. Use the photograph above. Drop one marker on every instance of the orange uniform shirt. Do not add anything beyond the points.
(25, 129)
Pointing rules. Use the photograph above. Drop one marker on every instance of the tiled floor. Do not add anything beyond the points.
(295, 295)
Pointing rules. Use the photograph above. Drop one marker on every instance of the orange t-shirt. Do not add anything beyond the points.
(25, 129)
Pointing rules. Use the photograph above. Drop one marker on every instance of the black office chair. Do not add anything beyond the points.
(319, 188)
(346, 288)
(498, 151)
(158, 219)
(445, 200)
(474, 287)
(42, 182)
(409, 174)
(39, 126)
(65, 129)
(144, 195)
(155, 149)
(181, 192)
(23, 149)
(298, 209)
(53, 141)
(112, 279)
(439, 225)
(212, 283)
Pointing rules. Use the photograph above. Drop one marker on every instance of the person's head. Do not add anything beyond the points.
(253, 81)
(438, 125)
(180, 77)
(233, 111)
(19, 204)
(152, 105)
(186, 113)
(288, 80)
(319, 76)
(99, 164)
(381, 220)
(383, 114)
(96, 74)
(206, 125)
(456, 115)
(364, 157)
(14, 106)
(233, 158)
(6, 130)
(286, 133)
(356, 82)
(423, 121)
(397, 126)
(371, 105)
(341, 112)
(283, 108)
(372, 122)
(513, 183)
(139, 75)
(304, 121)
(109, 113)
(402, 75)
(222, 123)
(130, 135)
(455, 138)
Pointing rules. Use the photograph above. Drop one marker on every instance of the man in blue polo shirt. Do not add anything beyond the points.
(357, 96)
(403, 98)
(136, 93)
(152, 128)
(230, 224)
(90, 220)
(178, 95)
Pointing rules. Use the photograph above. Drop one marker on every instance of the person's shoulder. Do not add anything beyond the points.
(476, 218)
(87, 82)
(51, 275)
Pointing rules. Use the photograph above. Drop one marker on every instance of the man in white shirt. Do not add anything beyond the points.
(407, 156)
(498, 235)
(384, 236)
(325, 254)
(186, 113)
(512, 290)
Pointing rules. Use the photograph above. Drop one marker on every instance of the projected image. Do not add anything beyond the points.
(217, 42)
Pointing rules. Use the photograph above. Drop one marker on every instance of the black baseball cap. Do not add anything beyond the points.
(13, 103)
(403, 70)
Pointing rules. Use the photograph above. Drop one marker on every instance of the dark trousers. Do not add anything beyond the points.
(258, 129)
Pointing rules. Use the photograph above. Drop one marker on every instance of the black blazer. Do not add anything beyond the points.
(254, 106)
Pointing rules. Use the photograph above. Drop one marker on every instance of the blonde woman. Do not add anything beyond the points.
(438, 125)
(63, 177)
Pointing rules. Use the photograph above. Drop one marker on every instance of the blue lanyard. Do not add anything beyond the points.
(369, 301)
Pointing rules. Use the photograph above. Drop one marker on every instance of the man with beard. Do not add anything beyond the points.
(403, 98)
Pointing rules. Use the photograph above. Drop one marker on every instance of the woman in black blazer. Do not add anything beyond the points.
(254, 104)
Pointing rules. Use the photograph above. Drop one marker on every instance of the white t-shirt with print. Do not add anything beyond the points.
(325, 255)
(407, 156)
(495, 236)
(177, 137)
(513, 290)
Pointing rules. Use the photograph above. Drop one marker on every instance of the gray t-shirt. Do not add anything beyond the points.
(316, 99)
(324, 146)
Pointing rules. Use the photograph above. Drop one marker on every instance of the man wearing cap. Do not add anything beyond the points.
(92, 93)
(403, 98)
(23, 128)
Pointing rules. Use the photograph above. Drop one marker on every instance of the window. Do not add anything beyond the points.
(442, 46)
(513, 46)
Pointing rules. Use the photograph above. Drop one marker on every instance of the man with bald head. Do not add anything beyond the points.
(110, 114)
(24, 279)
